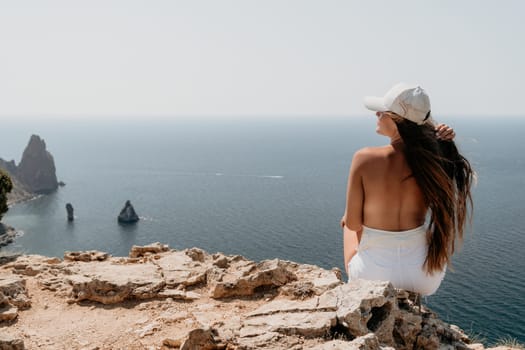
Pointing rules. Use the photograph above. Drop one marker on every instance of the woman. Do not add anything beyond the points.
(393, 190)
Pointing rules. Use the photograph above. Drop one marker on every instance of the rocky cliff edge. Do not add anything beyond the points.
(160, 298)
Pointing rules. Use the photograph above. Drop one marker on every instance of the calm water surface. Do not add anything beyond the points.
(268, 188)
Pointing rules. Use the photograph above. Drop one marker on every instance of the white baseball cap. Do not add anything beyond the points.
(406, 100)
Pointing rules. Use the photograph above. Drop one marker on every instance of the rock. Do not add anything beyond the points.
(262, 341)
(428, 340)
(181, 270)
(311, 280)
(36, 173)
(52, 261)
(148, 329)
(221, 261)
(7, 234)
(332, 345)
(9, 167)
(314, 317)
(127, 214)
(37, 167)
(172, 343)
(316, 304)
(169, 317)
(19, 193)
(70, 214)
(8, 312)
(267, 274)
(109, 283)
(320, 279)
(306, 324)
(10, 343)
(365, 342)
(13, 288)
(20, 267)
(200, 338)
(273, 304)
(196, 254)
(366, 306)
(407, 326)
(91, 255)
(298, 290)
(288, 306)
(208, 318)
(154, 248)
(456, 333)
(326, 280)
(5, 259)
(178, 294)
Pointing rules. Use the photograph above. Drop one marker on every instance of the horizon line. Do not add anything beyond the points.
(174, 117)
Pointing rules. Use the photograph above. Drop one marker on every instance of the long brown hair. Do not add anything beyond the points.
(445, 178)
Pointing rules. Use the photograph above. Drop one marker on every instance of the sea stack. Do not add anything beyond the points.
(37, 167)
(128, 214)
(70, 214)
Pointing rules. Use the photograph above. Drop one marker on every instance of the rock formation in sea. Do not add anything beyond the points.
(36, 173)
(127, 214)
(70, 212)
(160, 298)
(37, 167)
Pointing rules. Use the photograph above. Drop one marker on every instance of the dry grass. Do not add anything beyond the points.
(510, 342)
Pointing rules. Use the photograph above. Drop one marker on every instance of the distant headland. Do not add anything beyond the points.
(34, 175)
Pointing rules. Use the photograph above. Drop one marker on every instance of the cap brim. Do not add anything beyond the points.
(375, 103)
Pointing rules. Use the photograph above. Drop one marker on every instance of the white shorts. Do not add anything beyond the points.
(397, 257)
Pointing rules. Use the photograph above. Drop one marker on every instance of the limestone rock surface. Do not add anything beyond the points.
(91, 255)
(181, 271)
(159, 298)
(365, 342)
(13, 291)
(111, 283)
(200, 339)
(11, 343)
(248, 278)
(154, 248)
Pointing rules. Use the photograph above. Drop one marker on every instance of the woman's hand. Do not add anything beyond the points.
(445, 132)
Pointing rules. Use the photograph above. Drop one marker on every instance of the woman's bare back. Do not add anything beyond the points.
(392, 199)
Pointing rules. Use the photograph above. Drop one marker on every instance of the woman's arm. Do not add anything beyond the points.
(350, 245)
(353, 218)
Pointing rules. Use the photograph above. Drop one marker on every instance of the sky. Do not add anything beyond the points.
(246, 58)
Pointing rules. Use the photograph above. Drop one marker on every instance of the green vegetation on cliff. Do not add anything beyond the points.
(5, 187)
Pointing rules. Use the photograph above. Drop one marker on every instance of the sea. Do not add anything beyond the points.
(268, 188)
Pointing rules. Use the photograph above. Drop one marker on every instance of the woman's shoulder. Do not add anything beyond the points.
(372, 152)
(369, 155)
